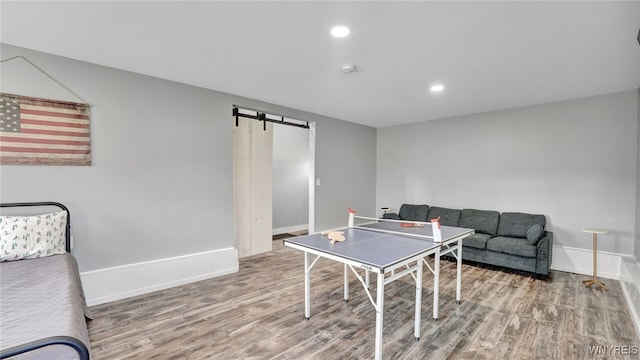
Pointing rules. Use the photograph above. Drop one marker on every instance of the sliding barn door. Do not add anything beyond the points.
(252, 193)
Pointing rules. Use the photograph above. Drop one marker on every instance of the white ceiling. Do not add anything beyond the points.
(489, 55)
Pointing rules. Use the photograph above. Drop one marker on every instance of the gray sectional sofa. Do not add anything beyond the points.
(510, 240)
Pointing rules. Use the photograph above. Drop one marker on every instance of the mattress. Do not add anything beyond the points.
(42, 298)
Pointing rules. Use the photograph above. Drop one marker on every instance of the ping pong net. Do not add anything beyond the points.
(418, 229)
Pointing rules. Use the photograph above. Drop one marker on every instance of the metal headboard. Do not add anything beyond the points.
(48, 203)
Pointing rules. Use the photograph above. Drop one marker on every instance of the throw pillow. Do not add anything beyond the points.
(15, 236)
(28, 237)
(534, 234)
(49, 235)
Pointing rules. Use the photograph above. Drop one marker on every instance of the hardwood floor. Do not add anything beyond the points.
(258, 313)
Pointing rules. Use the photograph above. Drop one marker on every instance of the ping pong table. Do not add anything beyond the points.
(391, 251)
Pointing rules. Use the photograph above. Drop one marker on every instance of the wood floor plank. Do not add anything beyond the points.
(258, 313)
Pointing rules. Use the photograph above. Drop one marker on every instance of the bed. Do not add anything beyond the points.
(43, 311)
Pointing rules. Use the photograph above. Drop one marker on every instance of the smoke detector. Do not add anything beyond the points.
(348, 68)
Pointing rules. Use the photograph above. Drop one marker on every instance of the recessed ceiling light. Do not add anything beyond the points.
(340, 31)
(436, 88)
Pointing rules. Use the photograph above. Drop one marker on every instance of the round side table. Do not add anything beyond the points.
(595, 280)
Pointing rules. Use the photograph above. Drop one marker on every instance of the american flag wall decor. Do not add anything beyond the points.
(43, 132)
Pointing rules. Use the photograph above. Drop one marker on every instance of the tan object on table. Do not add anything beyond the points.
(334, 236)
(595, 280)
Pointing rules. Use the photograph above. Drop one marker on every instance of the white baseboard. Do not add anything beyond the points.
(290, 229)
(630, 282)
(580, 261)
(110, 284)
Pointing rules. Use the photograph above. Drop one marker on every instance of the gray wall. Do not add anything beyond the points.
(340, 189)
(574, 161)
(161, 181)
(291, 162)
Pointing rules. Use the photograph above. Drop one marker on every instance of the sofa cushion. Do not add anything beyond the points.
(477, 240)
(392, 216)
(413, 212)
(513, 224)
(448, 217)
(534, 234)
(512, 246)
(484, 221)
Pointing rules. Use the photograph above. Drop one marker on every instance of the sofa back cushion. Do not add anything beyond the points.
(483, 221)
(448, 217)
(514, 224)
(413, 212)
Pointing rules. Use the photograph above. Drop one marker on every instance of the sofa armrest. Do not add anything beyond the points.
(392, 216)
(544, 254)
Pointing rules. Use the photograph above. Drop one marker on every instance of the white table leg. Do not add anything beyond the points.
(307, 287)
(346, 283)
(436, 283)
(418, 316)
(459, 272)
(367, 278)
(379, 316)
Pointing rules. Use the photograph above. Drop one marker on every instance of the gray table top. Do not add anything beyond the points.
(379, 249)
